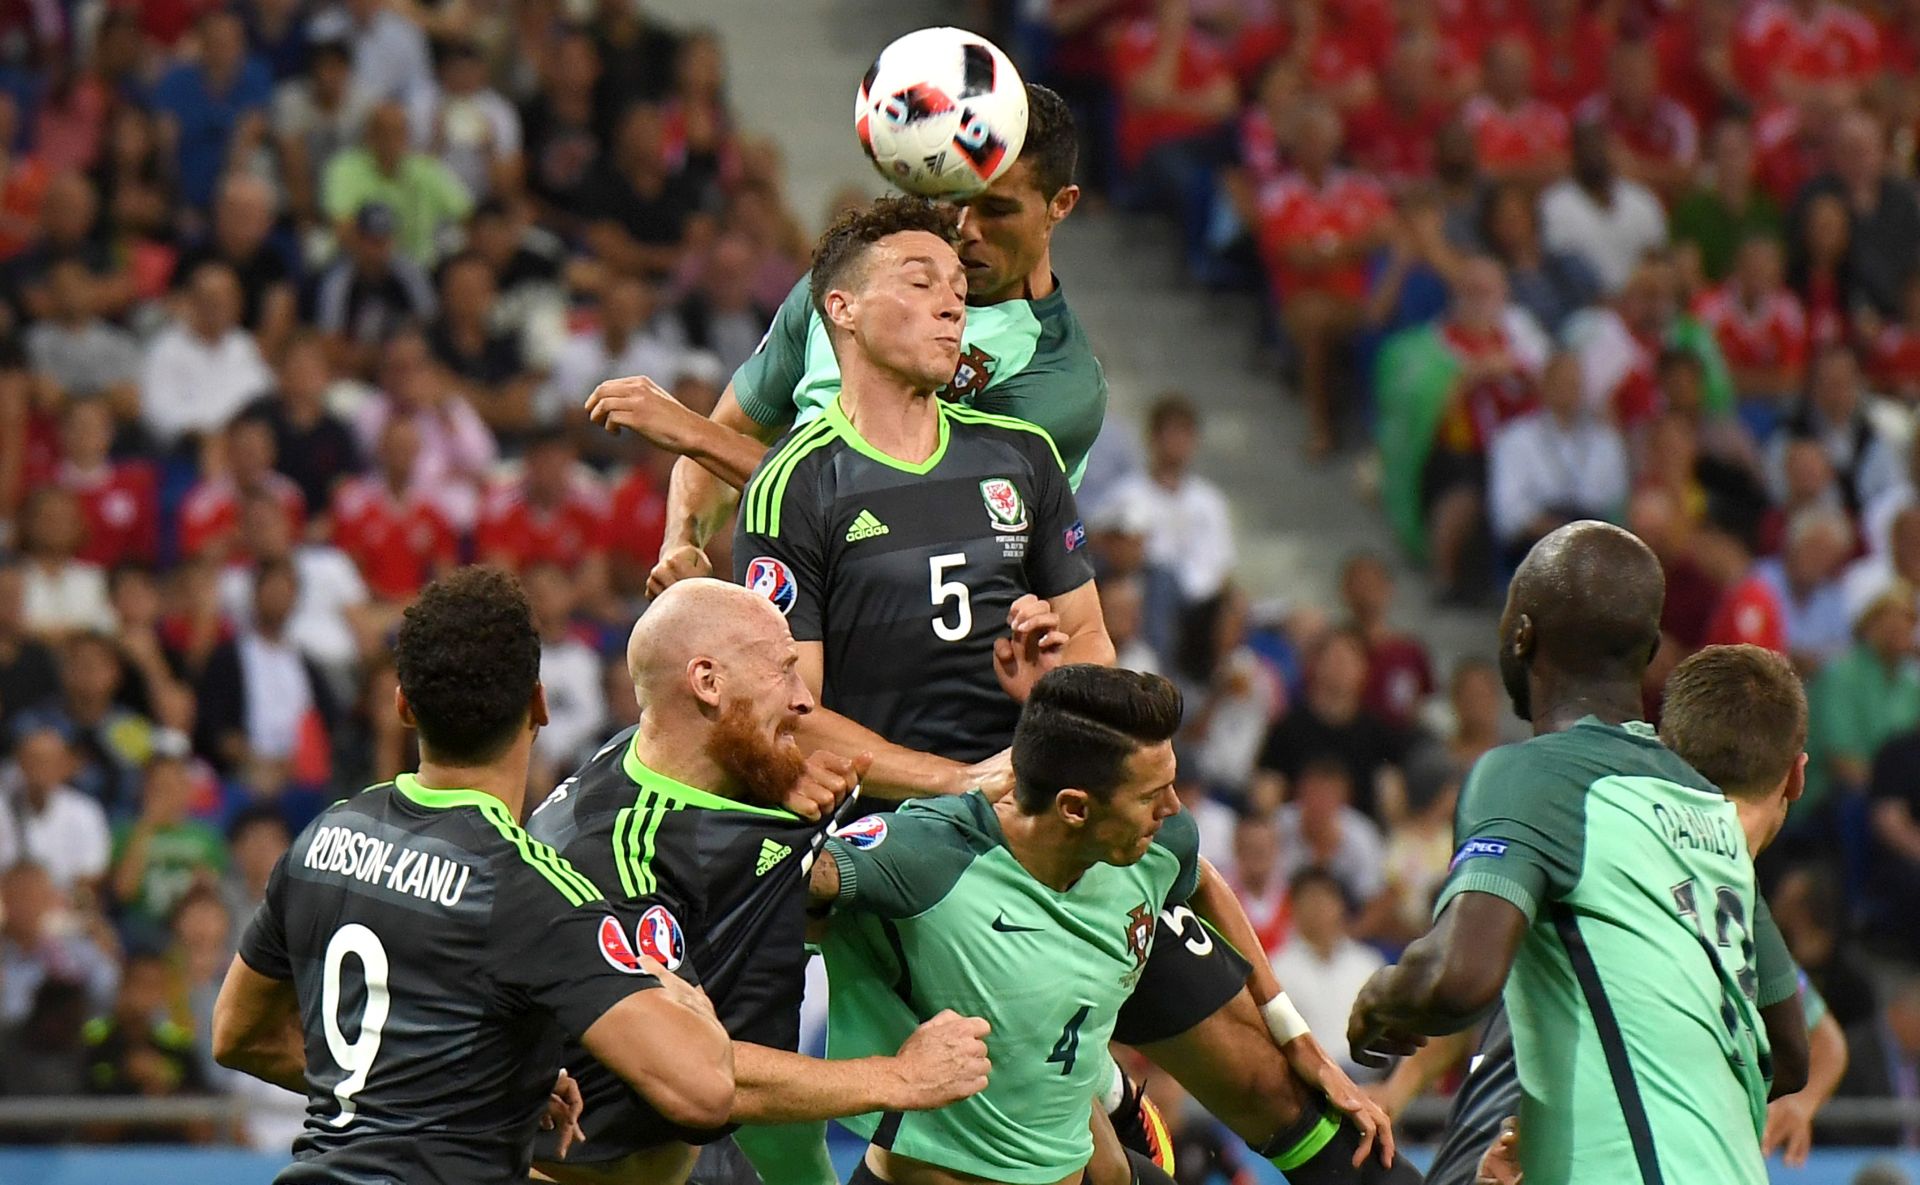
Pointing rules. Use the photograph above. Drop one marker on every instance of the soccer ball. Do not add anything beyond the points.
(942, 113)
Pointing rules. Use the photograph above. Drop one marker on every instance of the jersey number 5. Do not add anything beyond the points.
(943, 591)
(355, 1057)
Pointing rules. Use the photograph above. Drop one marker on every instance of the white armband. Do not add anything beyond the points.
(1283, 1019)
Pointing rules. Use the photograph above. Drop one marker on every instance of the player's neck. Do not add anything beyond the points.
(505, 779)
(674, 753)
(1557, 708)
(1756, 822)
(1047, 855)
(892, 415)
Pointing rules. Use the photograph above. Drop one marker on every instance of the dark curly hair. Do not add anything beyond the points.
(468, 659)
(1080, 725)
(847, 241)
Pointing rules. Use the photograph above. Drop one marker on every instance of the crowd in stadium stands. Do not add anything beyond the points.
(1654, 261)
(299, 302)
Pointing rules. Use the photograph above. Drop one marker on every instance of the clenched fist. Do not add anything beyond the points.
(944, 1061)
(825, 781)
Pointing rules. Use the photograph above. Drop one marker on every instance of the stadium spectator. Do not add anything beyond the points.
(79, 352)
(1318, 224)
(1884, 1059)
(119, 500)
(1475, 701)
(484, 362)
(331, 622)
(722, 316)
(387, 523)
(312, 446)
(1393, 136)
(43, 1054)
(569, 671)
(1254, 875)
(456, 450)
(1884, 213)
(70, 228)
(29, 672)
(134, 181)
(198, 956)
(1549, 285)
(1746, 611)
(315, 117)
(1893, 862)
(1516, 136)
(1870, 575)
(390, 57)
(1717, 217)
(1786, 47)
(1323, 965)
(257, 838)
(639, 206)
(1805, 579)
(1608, 220)
(1759, 324)
(1822, 269)
(1174, 85)
(1229, 724)
(476, 132)
(203, 367)
(1834, 415)
(44, 940)
(62, 592)
(1320, 828)
(111, 742)
(210, 516)
(626, 341)
(568, 126)
(23, 183)
(214, 109)
(137, 1049)
(1122, 607)
(424, 195)
(1807, 905)
(154, 673)
(1192, 535)
(1418, 849)
(1655, 138)
(554, 514)
(1860, 700)
(265, 707)
(243, 217)
(50, 823)
(1554, 466)
(1399, 673)
(1329, 720)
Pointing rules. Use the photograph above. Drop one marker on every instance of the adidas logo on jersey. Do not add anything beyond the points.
(865, 527)
(771, 852)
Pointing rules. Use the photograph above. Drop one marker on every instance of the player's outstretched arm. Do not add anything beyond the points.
(256, 1028)
(1444, 982)
(1789, 1047)
(705, 488)
(897, 772)
(668, 1045)
(944, 1061)
(1790, 1118)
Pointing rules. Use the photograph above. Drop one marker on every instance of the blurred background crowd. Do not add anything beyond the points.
(300, 300)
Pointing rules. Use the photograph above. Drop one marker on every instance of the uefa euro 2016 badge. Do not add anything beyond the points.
(864, 833)
(773, 580)
(660, 938)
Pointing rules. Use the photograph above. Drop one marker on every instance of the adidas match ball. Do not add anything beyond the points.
(942, 113)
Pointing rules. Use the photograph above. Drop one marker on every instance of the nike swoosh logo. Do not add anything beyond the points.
(1003, 926)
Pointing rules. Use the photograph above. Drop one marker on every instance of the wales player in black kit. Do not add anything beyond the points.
(684, 817)
(419, 959)
(932, 565)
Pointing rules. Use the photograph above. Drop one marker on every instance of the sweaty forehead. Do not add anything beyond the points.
(915, 246)
(1151, 766)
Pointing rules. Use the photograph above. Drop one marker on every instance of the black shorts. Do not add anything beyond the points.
(722, 1163)
(1189, 976)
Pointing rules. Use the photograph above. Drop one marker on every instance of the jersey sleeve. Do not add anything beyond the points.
(1180, 835)
(898, 865)
(1058, 559)
(780, 549)
(1517, 832)
(1779, 975)
(765, 382)
(264, 946)
(1812, 1004)
(570, 961)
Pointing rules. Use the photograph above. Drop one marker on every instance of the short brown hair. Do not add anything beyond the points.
(1738, 715)
(847, 241)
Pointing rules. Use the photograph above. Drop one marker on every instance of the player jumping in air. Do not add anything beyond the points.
(459, 952)
(1615, 882)
(683, 814)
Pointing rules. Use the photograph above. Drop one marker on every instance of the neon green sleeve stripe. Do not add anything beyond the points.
(968, 415)
(761, 492)
(774, 504)
(656, 812)
(620, 822)
(577, 889)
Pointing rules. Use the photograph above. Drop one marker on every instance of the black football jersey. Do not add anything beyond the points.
(441, 957)
(713, 888)
(904, 573)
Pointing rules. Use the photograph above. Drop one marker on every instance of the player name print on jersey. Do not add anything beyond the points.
(356, 855)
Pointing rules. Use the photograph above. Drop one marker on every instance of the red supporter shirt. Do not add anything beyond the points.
(1399, 678)
(121, 505)
(1676, 43)
(639, 518)
(398, 543)
(1510, 139)
(1772, 335)
(1751, 614)
(1203, 63)
(1568, 69)
(515, 531)
(1348, 207)
(1784, 161)
(1395, 144)
(1666, 132)
(1836, 45)
(1894, 361)
(1469, 423)
(1260, 150)
(210, 516)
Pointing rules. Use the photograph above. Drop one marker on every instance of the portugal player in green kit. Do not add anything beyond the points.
(1615, 883)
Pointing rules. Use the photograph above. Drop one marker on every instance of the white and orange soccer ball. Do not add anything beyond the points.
(942, 113)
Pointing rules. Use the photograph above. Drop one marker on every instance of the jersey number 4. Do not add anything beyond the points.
(1067, 1049)
(354, 1057)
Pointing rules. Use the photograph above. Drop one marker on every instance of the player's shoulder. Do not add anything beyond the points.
(793, 462)
(528, 870)
(959, 823)
(1030, 441)
(589, 799)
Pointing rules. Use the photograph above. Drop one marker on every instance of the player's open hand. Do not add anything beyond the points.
(1501, 1163)
(1317, 1068)
(564, 1106)
(642, 406)
(1789, 1129)
(992, 776)
(944, 1061)
(1372, 1038)
(1035, 647)
(825, 781)
(678, 990)
(683, 562)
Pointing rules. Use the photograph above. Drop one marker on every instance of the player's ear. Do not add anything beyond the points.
(402, 708)
(1523, 637)
(839, 309)
(537, 708)
(1073, 806)
(1797, 779)
(703, 679)
(1062, 203)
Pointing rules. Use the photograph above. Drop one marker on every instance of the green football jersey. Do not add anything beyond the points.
(1028, 359)
(1634, 996)
(935, 912)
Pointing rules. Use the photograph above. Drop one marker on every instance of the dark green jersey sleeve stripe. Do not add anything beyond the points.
(1633, 1109)
(968, 415)
(764, 491)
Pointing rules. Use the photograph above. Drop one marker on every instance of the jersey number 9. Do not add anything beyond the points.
(355, 1057)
